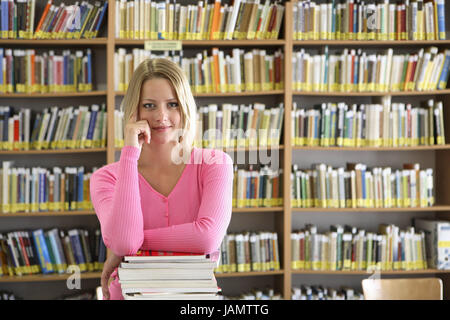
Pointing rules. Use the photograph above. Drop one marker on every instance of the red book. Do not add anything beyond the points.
(146, 253)
(16, 132)
(350, 16)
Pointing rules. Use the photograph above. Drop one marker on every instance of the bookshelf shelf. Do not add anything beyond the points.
(228, 94)
(249, 274)
(246, 149)
(45, 152)
(48, 213)
(56, 42)
(54, 94)
(263, 209)
(365, 273)
(372, 94)
(92, 213)
(369, 43)
(416, 148)
(48, 277)
(220, 43)
(425, 209)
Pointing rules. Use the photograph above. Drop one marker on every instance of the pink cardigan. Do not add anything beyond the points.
(193, 218)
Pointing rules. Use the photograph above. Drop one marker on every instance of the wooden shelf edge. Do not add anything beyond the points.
(249, 274)
(415, 148)
(48, 277)
(279, 42)
(53, 94)
(365, 273)
(368, 42)
(48, 213)
(227, 94)
(371, 94)
(56, 42)
(415, 209)
(51, 151)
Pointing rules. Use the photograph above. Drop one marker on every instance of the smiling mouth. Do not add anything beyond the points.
(162, 128)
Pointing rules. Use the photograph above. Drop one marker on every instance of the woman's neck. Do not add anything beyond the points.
(159, 157)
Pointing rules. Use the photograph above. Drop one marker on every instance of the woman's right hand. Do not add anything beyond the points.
(136, 132)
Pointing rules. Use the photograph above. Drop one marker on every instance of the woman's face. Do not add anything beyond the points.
(160, 107)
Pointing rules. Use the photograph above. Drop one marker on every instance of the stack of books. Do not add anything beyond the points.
(155, 275)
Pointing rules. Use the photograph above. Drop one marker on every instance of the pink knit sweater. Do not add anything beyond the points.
(193, 218)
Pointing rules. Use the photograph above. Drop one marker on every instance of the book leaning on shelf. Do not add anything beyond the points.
(232, 125)
(437, 236)
(206, 20)
(372, 20)
(54, 128)
(249, 251)
(355, 70)
(74, 21)
(346, 248)
(369, 125)
(215, 72)
(40, 189)
(257, 187)
(26, 71)
(357, 186)
(41, 251)
(168, 276)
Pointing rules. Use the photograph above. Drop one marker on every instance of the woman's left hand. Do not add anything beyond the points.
(111, 263)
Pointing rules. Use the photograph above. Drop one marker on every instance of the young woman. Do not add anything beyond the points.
(163, 194)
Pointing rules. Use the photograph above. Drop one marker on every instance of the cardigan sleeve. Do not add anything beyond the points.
(205, 234)
(117, 203)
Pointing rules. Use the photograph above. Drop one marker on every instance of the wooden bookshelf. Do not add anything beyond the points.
(285, 214)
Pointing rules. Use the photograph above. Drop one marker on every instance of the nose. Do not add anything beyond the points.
(162, 114)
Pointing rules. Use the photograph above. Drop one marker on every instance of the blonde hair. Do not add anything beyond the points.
(165, 69)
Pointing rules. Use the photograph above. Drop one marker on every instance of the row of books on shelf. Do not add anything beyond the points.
(62, 21)
(162, 275)
(233, 125)
(385, 124)
(249, 251)
(347, 248)
(372, 20)
(54, 128)
(215, 72)
(319, 292)
(40, 189)
(358, 186)
(255, 294)
(257, 187)
(204, 20)
(26, 71)
(355, 70)
(40, 251)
